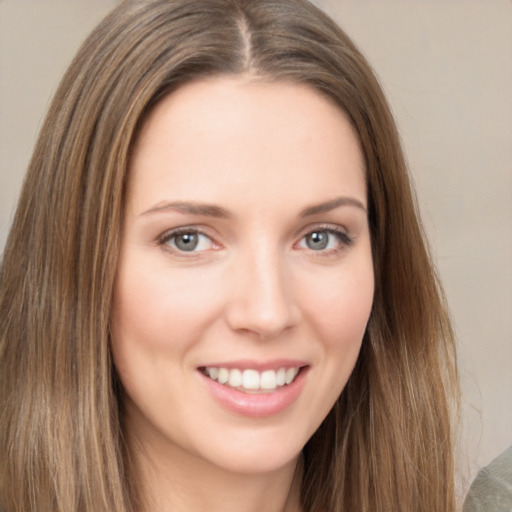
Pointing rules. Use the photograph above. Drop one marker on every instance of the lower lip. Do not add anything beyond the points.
(256, 405)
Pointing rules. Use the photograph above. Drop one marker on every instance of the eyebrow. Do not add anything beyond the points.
(331, 205)
(210, 210)
(192, 208)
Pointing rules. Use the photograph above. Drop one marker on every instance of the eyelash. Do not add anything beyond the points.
(165, 238)
(344, 239)
(341, 235)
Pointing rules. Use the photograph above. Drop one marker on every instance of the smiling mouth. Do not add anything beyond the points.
(250, 380)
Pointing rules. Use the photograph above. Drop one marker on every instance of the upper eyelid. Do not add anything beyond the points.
(327, 226)
(168, 234)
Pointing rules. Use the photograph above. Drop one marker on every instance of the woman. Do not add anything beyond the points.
(216, 292)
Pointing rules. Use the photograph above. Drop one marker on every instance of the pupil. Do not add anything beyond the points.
(187, 241)
(317, 240)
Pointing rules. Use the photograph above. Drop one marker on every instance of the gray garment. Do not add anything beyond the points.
(491, 491)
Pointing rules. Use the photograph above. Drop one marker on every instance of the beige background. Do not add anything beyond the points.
(447, 69)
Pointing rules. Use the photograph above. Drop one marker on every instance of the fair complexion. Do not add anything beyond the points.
(245, 256)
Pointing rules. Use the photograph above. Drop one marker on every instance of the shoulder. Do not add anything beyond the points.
(491, 491)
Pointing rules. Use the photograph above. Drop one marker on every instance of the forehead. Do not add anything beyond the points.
(229, 137)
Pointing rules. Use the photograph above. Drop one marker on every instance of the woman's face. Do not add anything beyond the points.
(245, 277)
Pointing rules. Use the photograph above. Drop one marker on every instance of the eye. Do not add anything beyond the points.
(187, 240)
(325, 240)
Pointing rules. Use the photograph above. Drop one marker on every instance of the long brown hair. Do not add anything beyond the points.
(387, 445)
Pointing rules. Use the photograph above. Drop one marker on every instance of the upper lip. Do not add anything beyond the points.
(246, 364)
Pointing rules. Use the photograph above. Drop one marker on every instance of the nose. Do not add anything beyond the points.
(262, 300)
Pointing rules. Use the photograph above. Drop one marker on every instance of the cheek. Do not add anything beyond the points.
(158, 317)
(161, 309)
(340, 306)
(337, 309)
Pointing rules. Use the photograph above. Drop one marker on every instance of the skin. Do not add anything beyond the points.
(255, 288)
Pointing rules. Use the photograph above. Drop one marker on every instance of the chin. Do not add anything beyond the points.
(255, 452)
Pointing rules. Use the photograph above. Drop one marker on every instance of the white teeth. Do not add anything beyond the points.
(223, 375)
(268, 379)
(235, 378)
(252, 380)
(290, 375)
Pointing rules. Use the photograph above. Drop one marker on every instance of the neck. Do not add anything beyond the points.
(177, 481)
